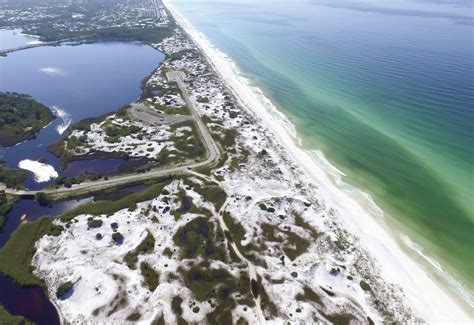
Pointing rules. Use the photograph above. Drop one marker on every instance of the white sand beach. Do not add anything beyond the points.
(423, 293)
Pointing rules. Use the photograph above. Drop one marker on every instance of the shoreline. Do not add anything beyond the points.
(398, 267)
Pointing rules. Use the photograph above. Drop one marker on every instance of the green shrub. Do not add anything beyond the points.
(133, 317)
(146, 246)
(64, 289)
(94, 223)
(43, 199)
(11, 177)
(55, 230)
(150, 276)
(117, 237)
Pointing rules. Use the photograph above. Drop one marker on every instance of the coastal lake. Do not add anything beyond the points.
(77, 82)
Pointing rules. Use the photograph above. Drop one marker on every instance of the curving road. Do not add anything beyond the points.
(212, 153)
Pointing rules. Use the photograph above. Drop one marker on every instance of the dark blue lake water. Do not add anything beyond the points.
(82, 81)
(79, 82)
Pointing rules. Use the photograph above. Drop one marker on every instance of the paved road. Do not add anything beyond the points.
(212, 149)
(73, 40)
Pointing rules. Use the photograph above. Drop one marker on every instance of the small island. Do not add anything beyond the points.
(21, 117)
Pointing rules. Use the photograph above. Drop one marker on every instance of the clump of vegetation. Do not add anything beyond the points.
(364, 285)
(12, 177)
(268, 306)
(197, 238)
(186, 204)
(73, 142)
(182, 110)
(203, 100)
(189, 146)
(67, 181)
(176, 307)
(151, 277)
(214, 194)
(64, 290)
(299, 221)
(43, 199)
(219, 285)
(133, 317)
(115, 132)
(342, 319)
(5, 207)
(55, 230)
(145, 247)
(309, 295)
(94, 223)
(117, 238)
(293, 244)
(21, 117)
(238, 233)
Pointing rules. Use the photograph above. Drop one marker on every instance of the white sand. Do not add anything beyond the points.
(42, 172)
(426, 296)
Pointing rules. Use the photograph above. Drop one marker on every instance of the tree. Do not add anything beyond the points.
(43, 199)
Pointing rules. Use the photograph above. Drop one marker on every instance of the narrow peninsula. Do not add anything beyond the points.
(21, 117)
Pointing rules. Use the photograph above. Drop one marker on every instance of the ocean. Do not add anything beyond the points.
(385, 90)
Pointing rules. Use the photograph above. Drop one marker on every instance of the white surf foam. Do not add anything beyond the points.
(42, 172)
(452, 280)
(64, 116)
(35, 42)
(52, 71)
(423, 293)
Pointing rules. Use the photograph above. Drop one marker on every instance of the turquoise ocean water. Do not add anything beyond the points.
(386, 90)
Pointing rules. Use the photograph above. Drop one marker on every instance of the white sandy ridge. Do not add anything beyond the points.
(42, 172)
(422, 292)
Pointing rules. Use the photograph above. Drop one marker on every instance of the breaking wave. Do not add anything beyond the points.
(64, 116)
(460, 289)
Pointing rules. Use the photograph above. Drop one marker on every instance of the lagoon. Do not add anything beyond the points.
(78, 82)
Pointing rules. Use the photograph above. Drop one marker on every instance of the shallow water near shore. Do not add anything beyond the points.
(78, 82)
(388, 102)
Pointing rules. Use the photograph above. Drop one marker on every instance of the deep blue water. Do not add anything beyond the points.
(84, 81)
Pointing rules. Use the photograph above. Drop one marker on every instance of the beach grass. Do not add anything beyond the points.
(145, 247)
